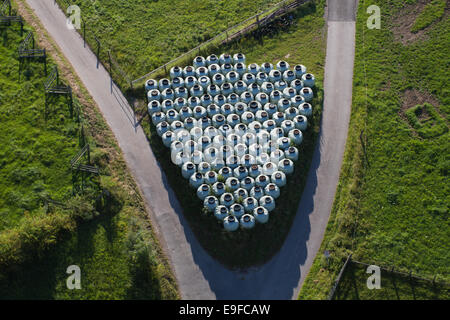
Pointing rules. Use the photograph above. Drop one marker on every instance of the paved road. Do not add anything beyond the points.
(198, 275)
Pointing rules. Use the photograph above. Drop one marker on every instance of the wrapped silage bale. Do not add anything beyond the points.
(199, 61)
(220, 100)
(272, 190)
(213, 70)
(291, 113)
(176, 72)
(226, 199)
(239, 58)
(232, 77)
(211, 177)
(266, 67)
(153, 107)
(185, 113)
(196, 90)
(188, 71)
(240, 87)
(276, 156)
(286, 166)
(267, 87)
(254, 171)
(284, 104)
(177, 82)
(204, 122)
(275, 75)
(233, 98)
(237, 210)
(253, 69)
(282, 66)
(279, 117)
(164, 84)
(218, 79)
(253, 88)
(261, 77)
(291, 153)
(202, 72)
(270, 108)
(233, 119)
(212, 59)
(225, 58)
(281, 85)
(299, 71)
(162, 127)
(219, 188)
(206, 100)
(248, 78)
(262, 98)
(305, 109)
(296, 136)
(240, 193)
(297, 84)
(297, 100)
(240, 68)
(247, 221)
(256, 192)
(221, 212)
(203, 191)
(227, 88)
(213, 90)
(172, 115)
(287, 125)
(196, 180)
(181, 93)
(308, 80)
(230, 223)
(189, 122)
(167, 138)
(279, 178)
(232, 161)
(267, 202)
(189, 82)
(288, 76)
(289, 93)
(199, 112)
(250, 204)
(166, 105)
(211, 203)
(268, 169)
(204, 82)
(246, 97)
(275, 96)
(261, 215)
(232, 183)
(154, 95)
(248, 160)
(262, 181)
(158, 117)
(307, 93)
(240, 150)
(283, 143)
(151, 84)
(261, 116)
(226, 68)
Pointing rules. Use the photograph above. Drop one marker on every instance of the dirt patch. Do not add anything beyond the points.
(403, 21)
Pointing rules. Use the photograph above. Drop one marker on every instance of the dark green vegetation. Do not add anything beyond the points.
(432, 11)
(394, 286)
(143, 35)
(392, 202)
(104, 229)
(302, 42)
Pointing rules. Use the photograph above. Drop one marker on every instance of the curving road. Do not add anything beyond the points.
(198, 275)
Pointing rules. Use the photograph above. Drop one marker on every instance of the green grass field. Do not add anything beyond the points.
(302, 42)
(143, 35)
(393, 208)
(108, 236)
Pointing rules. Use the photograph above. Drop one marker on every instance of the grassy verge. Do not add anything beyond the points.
(302, 42)
(116, 249)
(392, 208)
(432, 11)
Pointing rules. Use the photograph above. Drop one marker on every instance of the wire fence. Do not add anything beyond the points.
(427, 281)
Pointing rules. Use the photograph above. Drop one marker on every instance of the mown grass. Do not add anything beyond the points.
(432, 11)
(302, 42)
(143, 35)
(393, 286)
(105, 230)
(393, 208)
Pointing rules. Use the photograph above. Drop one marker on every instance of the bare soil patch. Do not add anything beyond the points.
(404, 20)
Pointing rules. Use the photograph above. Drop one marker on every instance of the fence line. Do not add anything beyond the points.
(338, 279)
(288, 4)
